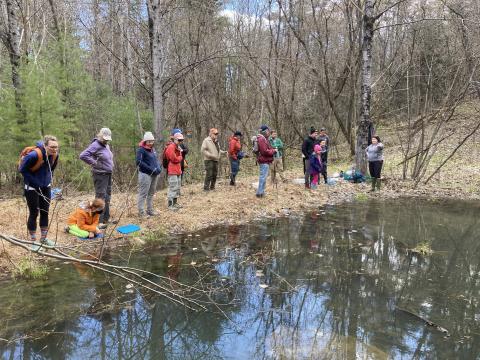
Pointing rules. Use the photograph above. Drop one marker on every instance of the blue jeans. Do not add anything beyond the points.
(234, 168)
(262, 180)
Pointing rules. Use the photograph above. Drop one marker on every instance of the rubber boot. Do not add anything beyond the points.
(170, 206)
(374, 183)
(175, 204)
(379, 184)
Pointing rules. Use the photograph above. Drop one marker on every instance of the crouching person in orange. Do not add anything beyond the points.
(83, 222)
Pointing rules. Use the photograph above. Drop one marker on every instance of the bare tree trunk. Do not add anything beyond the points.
(157, 52)
(364, 120)
(12, 42)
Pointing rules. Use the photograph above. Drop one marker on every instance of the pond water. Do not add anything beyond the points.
(337, 283)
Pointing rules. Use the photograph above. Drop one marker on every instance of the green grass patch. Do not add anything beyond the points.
(30, 269)
(423, 248)
(361, 197)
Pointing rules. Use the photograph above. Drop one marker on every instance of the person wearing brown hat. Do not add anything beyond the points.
(211, 155)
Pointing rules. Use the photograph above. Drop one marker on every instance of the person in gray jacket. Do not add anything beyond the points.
(375, 161)
(100, 158)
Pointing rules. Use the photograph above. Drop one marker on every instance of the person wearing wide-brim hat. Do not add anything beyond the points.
(148, 171)
(100, 159)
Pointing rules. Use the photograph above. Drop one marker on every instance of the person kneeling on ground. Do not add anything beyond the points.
(83, 222)
(316, 165)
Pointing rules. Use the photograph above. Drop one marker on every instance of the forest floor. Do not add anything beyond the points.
(459, 178)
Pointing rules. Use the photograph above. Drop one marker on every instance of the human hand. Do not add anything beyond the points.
(91, 235)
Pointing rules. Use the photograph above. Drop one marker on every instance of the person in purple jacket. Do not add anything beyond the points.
(100, 158)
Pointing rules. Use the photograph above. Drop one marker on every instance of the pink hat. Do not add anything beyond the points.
(178, 136)
(317, 148)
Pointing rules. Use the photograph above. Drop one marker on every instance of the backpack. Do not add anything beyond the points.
(38, 164)
(164, 158)
(255, 149)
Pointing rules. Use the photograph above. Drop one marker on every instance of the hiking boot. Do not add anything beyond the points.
(379, 184)
(152, 213)
(171, 207)
(259, 195)
(232, 182)
(102, 226)
(66, 229)
(47, 242)
(141, 214)
(177, 205)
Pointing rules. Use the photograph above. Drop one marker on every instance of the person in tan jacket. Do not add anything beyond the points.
(211, 155)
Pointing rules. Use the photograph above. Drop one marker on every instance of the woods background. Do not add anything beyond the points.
(68, 68)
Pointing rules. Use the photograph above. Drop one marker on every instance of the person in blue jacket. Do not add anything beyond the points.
(37, 167)
(148, 171)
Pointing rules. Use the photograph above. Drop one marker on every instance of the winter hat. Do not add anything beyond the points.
(317, 148)
(178, 136)
(312, 130)
(264, 128)
(237, 133)
(148, 136)
(176, 131)
(105, 134)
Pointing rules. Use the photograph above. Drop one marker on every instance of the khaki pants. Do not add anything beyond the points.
(277, 168)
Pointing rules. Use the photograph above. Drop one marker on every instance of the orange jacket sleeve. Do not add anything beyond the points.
(83, 222)
(171, 154)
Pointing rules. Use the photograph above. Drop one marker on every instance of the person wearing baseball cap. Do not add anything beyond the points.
(100, 159)
(235, 154)
(173, 153)
(211, 155)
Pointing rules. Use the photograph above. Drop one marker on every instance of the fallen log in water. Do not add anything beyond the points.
(426, 321)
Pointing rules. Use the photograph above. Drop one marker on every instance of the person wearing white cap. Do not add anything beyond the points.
(100, 159)
(148, 171)
(173, 154)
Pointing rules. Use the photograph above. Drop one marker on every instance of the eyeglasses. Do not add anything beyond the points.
(215, 133)
(52, 147)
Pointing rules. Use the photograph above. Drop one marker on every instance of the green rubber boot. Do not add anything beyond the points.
(374, 182)
(379, 184)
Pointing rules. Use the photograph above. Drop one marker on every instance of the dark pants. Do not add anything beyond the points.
(324, 172)
(234, 169)
(103, 190)
(375, 168)
(211, 168)
(38, 201)
(306, 167)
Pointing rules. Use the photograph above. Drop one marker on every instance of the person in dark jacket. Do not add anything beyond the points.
(264, 158)
(316, 165)
(37, 168)
(374, 153)
(324, 155)
(100, 158)
(148, 171)
(307, 149)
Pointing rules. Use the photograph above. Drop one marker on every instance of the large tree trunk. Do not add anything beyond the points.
(157, 49)
(12, 43)
(364, 120)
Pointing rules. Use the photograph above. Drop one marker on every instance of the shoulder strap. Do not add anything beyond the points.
(40, 161)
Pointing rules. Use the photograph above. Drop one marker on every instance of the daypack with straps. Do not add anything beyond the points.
(38, 164)
(164, 158)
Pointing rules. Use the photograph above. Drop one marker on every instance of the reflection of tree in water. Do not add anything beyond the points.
(333, 280)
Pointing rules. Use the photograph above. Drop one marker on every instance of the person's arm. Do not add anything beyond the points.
(205, 151)
(263, 147)
(279, 144)
(380, 146)
(82, 223)
(142, 164)
(304, 149)
(172, 156)
(88, 155)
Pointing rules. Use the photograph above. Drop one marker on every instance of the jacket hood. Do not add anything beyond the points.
(39, 144)
(143, 145)
(84, 206)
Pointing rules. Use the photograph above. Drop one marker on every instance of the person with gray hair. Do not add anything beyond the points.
(148, 171)
(100, 159)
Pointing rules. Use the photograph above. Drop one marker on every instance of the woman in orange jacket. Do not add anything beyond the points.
(83, 222)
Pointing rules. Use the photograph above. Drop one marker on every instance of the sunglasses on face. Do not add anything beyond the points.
(215, 133)
(179, 140)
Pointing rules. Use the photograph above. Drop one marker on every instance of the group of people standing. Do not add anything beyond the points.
(91, 218)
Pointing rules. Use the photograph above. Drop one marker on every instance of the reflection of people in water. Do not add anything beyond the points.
(233, 232)
(174, 261)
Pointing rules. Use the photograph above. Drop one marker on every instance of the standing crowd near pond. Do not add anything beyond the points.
(38, 163)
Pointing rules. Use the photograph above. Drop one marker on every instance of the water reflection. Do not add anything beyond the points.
(329, 285)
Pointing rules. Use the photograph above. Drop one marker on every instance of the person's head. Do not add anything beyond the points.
(313, 132)
(323, 131)
(97, 206)
(51, 144)
(323, 142)
(375, 139)
(265, 130)
(104, 135)
(213, 133)
(317, 148)
(178, 138)
(148, 139)
(238, 134)
(273, 134)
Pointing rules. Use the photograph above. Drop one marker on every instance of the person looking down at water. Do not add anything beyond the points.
(374, 153)
(83, 222)
(37, 166)
(100, 159)
(264, 158)
(174, 171)
(148, 171)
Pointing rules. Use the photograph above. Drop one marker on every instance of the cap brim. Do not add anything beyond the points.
(108, 138)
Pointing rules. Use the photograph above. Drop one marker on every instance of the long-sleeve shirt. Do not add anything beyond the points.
(374, 152)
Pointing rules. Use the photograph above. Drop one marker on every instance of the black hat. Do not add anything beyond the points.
(264, 128)
(312, 130)
(237, 133)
